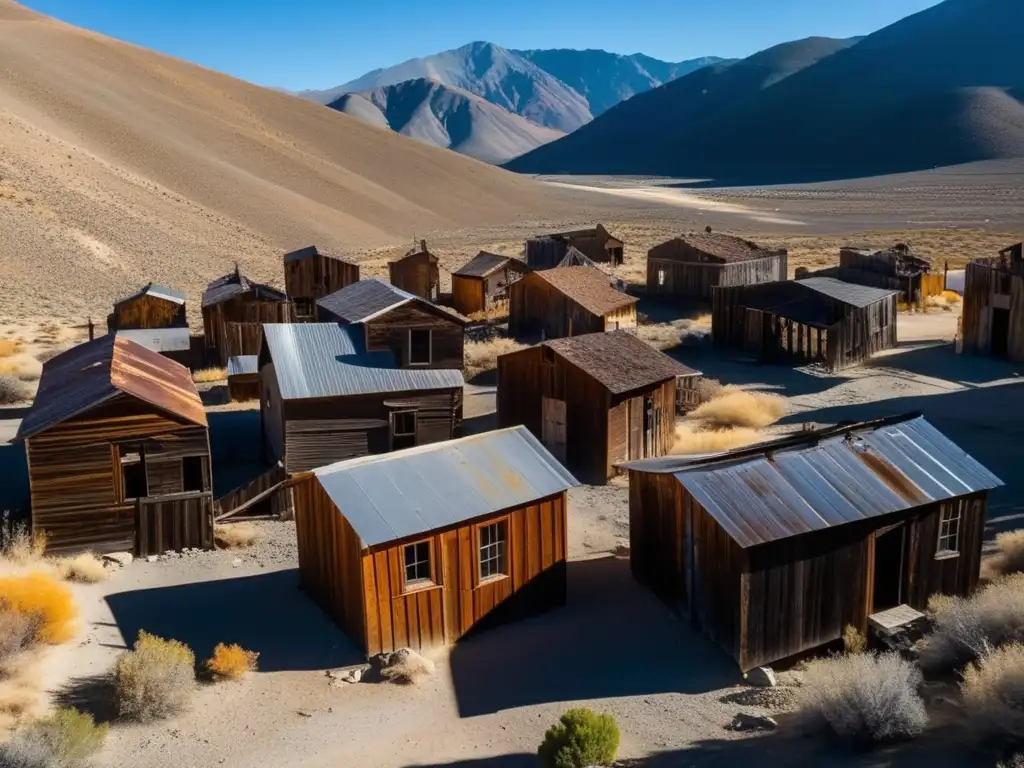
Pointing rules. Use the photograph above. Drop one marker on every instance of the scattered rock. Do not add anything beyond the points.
(152, 559)
(763, 677)
(745, 722)
(341, 677)
(404, 666)
(122, 559)
(236, 562)
(303, 713)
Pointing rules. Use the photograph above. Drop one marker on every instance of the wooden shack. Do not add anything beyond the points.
(118, 452)
(155, 317)
(817, 320)
(567, 301)
(691, 265)
(547, 251)
(596, 400)
(325, 398)
(417, 273)
(481, 285)
(773, 550)
(419, 333)
(485, 541)
(309, 275)
(243, 378)
(992, 321)
(234, 311)
(896, 268)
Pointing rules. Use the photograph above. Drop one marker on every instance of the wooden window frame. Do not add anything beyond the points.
(430, 346)
(121, 488)
(479, 580)
(309, 306)
(415, 422)
(952, 521)
(421, 584)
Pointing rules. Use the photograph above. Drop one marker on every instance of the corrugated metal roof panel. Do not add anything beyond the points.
(157, 290)
(243, 365)
(849, 293)
(482, 265)
(358, 301)
(329, 360)
(159, 339)
(408, 493)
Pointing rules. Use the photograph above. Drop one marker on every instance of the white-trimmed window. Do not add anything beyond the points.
(419, 569)
(949, 531)
(420, 347)
(493, 550)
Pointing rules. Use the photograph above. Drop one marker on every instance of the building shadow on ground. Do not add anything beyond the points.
(940, 361)
(613, 638)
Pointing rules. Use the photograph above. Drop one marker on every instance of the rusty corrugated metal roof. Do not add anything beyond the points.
(803, 483)
(406, 493)
(92, 373)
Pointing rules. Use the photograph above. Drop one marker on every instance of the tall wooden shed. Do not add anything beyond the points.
(418, 548)
(234, 311)
(691, 265)
(325, 398)
(482, 284)
(309, 275)
(817, 320)
(419, 333)
(567, 301)
(118, 452)
(417, 273)
(155, 317)
(992, 322)
(773, 550)
(595, 400)
(596, 243)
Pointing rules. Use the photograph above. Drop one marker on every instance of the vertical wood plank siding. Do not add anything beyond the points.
(177, 522)
(418, 274)
(235, 327)
(315, 277)
(390, 331)
(536, 307)
(987, 288)
(147, 311)
(469, 294)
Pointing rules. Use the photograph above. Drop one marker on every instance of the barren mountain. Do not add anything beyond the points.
(119, 165)
(447, 117)
(938, 88)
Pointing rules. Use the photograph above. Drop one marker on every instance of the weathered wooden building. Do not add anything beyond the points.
(155, 317)
(992, 320)
(773, 550)
(417, 273)
(896, 268)
(325, 398)
(596, 400)
(421, 334)
(547, 251)
(567, 301)
(309, 275)
(691, 265)
(418, 548)
(234, 311)
(481, 285)
(118, 452)
(817, 320)
(243, 378)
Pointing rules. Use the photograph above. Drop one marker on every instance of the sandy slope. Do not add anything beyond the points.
(119, 165)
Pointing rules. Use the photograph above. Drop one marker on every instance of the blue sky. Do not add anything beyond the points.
(321, 43)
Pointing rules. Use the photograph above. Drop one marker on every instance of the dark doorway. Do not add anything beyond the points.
(1000, 331)
(889, 558)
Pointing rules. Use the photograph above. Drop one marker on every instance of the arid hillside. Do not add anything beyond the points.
(119, 165)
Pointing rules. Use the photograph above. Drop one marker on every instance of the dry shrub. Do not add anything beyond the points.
(236, 535)
(155, 679)
(482, 356)
(22, 694)
(739, 408)
(22, 366)
(42, 595)
(1009, 557)
(965, 629)
(664, 336)
(863, 698)
(405, 667)
(17, 632)
(993, 691)
(230, 662)
(209, 375)
(709, 389)
(13, 390)
(691, 438)
(65, 739)
(9, 347)
(579, 739)
(86, 568)
(23, 547)
(854, 640)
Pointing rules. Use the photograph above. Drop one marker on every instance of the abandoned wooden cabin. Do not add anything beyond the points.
(896, 268)
(691, 265)
(234, 311)
(118, 452)
(421, 334)
(547, 251)
(417, 273)
(155, 317)
(817, 320)
(420, 547)
(774, 549)
(243, 379)
(309, 275)
(567, 301)
(481, 285)
(595, 400)
(325, 398)
(992, 322)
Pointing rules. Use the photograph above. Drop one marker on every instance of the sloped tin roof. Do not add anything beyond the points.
(482, 265)
(157, 290)
(407, 493)
(784, 488)
(243, 365)
(159, 339)
(849, 293)
(364, 299)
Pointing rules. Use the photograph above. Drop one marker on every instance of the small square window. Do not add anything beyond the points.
(418, 570)
(492, 550)
(303, 307)
(419, 347)
(949, 532)
(403, 423)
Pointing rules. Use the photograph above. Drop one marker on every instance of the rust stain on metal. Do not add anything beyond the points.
(150, 376)
(892, 477)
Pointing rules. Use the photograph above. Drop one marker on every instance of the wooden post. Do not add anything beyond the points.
(92, 329)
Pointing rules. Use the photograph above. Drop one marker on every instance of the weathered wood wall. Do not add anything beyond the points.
(418, 274)
(244, 387)
(626, 420)
(174, 522)
(148, 311)
(545, 252)
(537, 308)
(235, 327)
(675, 268)
(315, 277)
(987, 289)
(390, 331)
(485, 294)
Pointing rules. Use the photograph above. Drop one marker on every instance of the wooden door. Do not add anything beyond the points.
(553, 427)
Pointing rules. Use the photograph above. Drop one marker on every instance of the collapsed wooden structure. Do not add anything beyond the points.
(309, 275)
(597, 244)
(595, 401)
(992, 321)
(118, 452)
(482, 283)
(420, 547)
(234, 311)
(692, 265)
(567, 301)
(155, 317)
(816, 320)
(773, 550)
(419, 333)
(896, 268)
(417, 273)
